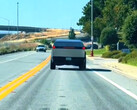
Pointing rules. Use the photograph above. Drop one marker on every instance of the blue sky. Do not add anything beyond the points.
(61, 14)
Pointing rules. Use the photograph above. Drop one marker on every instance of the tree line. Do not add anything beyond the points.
(114, 20)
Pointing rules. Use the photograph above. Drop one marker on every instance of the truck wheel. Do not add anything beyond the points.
(52, 65)
(83, 65)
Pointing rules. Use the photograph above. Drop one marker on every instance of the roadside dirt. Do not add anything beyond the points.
(124, 69)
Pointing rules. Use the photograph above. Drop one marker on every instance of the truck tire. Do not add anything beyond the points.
(83, 65)
(52, 65)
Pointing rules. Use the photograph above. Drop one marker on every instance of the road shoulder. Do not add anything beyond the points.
(124, 69)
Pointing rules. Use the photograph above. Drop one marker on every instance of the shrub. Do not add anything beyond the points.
(132, 61)
(120, 55)
(129, 57)
(11, 48)
(111, 54)
(107, 47)
(3, 51)
(109, 36)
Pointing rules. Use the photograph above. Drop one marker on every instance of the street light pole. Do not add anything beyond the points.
(17, 19)
(92, 38)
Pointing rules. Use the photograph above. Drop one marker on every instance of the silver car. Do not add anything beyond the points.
(68, 52)
(41, 48)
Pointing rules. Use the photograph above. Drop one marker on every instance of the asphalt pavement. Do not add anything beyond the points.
(66, 88)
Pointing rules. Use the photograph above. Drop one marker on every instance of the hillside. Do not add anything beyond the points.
(50, 33)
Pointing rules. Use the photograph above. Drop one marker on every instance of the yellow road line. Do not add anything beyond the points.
(11, 86)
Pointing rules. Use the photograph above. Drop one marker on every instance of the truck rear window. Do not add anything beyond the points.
(68, 44)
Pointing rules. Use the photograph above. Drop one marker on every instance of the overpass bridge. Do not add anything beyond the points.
(21, 28)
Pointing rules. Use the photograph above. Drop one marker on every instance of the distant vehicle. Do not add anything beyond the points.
(68, 52)
(41, 48)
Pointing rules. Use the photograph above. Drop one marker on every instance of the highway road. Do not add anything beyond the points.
(67, 87)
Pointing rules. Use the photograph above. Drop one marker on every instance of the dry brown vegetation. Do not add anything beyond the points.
(49, 33)
(25, 42)
(8, 47)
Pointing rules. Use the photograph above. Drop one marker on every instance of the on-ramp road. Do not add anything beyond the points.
(66, 88)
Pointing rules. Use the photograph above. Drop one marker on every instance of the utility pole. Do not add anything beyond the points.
(92, 38)
(17, 20)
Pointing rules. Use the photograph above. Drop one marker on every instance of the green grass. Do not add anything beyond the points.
(132, 62)
(130, 58)
(97, 52)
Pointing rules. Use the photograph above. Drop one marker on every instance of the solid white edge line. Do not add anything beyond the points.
(15, 58)
(116, 85)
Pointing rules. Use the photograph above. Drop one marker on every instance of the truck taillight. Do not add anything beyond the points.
(83, 48)
(53, 47)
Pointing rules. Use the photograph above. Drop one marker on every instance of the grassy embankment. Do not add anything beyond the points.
(130, 59)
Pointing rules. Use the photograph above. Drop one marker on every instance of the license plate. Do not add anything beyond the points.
(68, 59)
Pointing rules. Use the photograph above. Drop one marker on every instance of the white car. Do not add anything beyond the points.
(68, 52)
(41, 48)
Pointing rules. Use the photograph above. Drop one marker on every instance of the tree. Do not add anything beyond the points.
(129, 30)
(86, 15)
(115, 12)
(131, 3)
(109, 36)
(71, 34)
(99, 25)
(85, 20)
(107, 13)
(87, 27)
